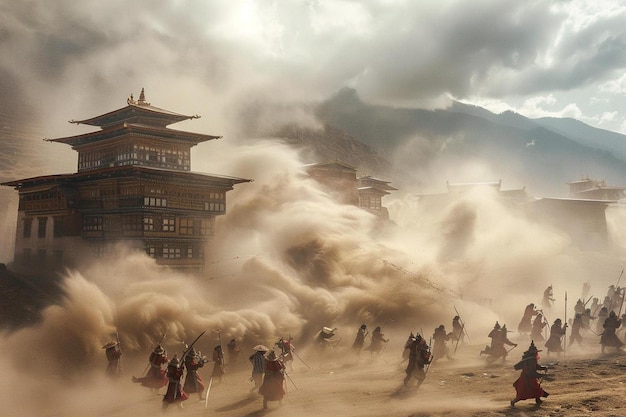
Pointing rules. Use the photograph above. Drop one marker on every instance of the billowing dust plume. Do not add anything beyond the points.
(287, 260)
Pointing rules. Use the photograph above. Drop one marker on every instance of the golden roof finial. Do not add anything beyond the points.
(142, 99)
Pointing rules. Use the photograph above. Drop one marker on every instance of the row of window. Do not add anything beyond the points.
(165, 251)
(173, 157)
(148, 223)
(371, 203)
(170, 251)
(41, 227)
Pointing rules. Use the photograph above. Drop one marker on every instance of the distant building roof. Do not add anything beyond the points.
(136, 110)
(120, 172)
(335, 165)
(110, 132)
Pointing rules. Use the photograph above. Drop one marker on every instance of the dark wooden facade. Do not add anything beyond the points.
(133, 185)
(340, 181)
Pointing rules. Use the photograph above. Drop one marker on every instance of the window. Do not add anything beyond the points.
(151, 251)
(170, 252)
(148, 224)
(189, 252)
(92, 223)
(28, 226)
(169, 224)
(57, 256)
(132, 222)
(219, 207)
(59, 226)
(186, 227)
(41, 256)
(155, 202)
(41, 232)
(206, 227)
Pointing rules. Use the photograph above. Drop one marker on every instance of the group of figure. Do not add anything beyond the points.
(268, 373)
(156, 377)
(269, 366)
(378, 341)
(607, 324)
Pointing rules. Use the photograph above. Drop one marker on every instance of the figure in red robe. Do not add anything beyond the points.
(175, 393)
(155, 378)
(286, 351)
(272, 388)
(527, 385)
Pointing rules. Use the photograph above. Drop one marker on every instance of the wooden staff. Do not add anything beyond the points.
(565, 325)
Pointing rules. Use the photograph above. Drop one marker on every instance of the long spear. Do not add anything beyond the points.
(208, 391)
(462, 324)
(298, 356)
(565, 324)
(182, 359)
(619, 279)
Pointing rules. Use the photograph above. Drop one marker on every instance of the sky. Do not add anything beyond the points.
(71, 59)
(311, 262)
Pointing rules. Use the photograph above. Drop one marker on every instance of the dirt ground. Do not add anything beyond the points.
(340, 384)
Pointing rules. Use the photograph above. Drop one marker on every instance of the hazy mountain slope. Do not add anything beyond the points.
(587, 135)
(433, 141)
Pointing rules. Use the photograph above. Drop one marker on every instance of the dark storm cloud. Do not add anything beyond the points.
(227, 51)
(456, 47)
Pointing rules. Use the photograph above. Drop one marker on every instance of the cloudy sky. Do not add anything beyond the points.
(72, 59)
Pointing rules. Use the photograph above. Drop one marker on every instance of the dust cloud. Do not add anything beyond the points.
(289, 260)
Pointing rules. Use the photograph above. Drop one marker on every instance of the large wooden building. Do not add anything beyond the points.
(134, 184)
(340, 181)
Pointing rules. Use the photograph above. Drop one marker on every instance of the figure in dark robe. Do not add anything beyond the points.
(175, 393)
(218, 363)
(548, 298)
(609, 336)
(525, 325)
(499, 338)
(419, 357)
(458, 331)
(359, 340)
(554, 344)
(577, 325)
(440, 339)
(537, 331)
(114, 355)
(378, 341)
(193, 380)
(233, 353)
(602, 316)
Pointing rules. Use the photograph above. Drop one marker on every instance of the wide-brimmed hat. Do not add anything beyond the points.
(109, 345)
(261, 348)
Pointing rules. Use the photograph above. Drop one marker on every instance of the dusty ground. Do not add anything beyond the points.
(585, 384)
